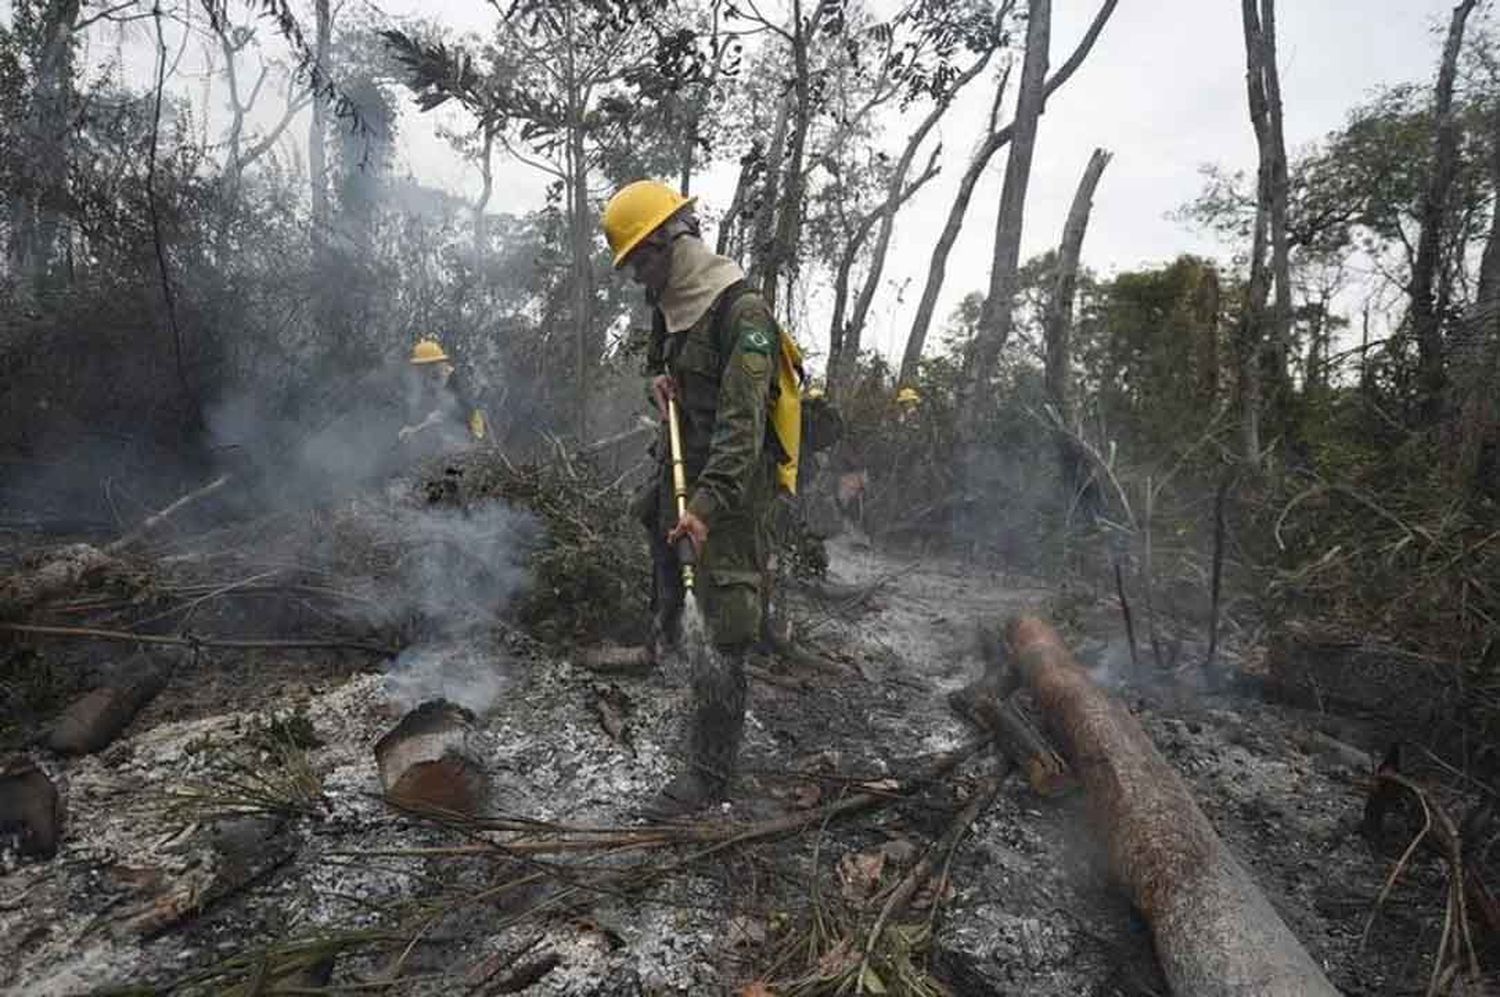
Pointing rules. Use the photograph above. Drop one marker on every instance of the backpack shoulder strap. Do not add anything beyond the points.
(729, 300)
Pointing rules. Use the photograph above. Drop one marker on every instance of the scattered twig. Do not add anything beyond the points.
(156, 519)
(907, 888)
(221, 643)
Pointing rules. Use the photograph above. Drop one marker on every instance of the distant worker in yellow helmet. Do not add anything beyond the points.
(441, 416)
(719, 353)
(907, 403)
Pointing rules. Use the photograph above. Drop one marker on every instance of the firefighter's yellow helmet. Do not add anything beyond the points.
(637, 210)
(908, 396)
(427, 351)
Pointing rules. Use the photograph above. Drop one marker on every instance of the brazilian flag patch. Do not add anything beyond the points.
(757, 341)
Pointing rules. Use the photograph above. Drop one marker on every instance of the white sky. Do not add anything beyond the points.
(1163, 90)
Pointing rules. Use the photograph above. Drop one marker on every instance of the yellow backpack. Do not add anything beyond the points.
(785, 412)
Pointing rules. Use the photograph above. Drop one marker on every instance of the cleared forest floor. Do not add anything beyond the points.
(155, 887)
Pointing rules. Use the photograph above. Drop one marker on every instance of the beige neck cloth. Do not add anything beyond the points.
(696, 278)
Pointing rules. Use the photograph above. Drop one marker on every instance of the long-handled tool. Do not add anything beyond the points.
(685, 553)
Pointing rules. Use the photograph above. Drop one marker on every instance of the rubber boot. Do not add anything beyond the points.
(714, 732)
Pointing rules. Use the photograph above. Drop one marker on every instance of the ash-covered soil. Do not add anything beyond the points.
(155, 888)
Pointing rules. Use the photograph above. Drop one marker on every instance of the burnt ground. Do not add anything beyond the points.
(155, 888)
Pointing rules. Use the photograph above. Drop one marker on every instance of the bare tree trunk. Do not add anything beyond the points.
(1215, 932)
(1059, 321)
(842, 366)
(580, 230)
(1426, 321)
(36, 215)
(1281, 318)
(846, 265)
(995, 317)
(1253, 325)
(938, 267)
(761, 247)
(481, 206)
(317, 132)
(733, 216)
(1475, 449)
(782, 259)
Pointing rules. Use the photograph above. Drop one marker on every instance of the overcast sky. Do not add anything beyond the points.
(1163, 90)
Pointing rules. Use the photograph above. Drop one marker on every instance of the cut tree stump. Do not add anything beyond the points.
(97, 717)
(429, 763)
(31, 813)
(1216, 933)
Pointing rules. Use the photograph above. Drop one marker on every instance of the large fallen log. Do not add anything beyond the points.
(1216, 933)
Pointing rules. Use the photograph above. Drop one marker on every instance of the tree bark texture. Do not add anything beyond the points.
(995, 317)
(1280, 328)
(1059, 321)
(1215, 932)
(37, 210)
(1474, 452)
(317, 133)
(937, 268)
(762, 229)
(1253, 325)
(782, 258)
(1426, 318)
(851, 254)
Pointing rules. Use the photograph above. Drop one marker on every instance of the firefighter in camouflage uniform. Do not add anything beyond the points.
(715, 348)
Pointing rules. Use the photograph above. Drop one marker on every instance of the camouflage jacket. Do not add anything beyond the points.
(724, 367)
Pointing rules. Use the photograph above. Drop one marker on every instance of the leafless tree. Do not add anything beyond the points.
(841, 363)
(995, 318)
(994, 140)
(1058, 324)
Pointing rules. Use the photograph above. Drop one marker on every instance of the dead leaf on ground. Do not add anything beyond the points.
(838, 960)
(757, 989)
(860, 874)
(745, 932)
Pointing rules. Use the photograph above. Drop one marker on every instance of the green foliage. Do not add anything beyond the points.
(588, 570)
(266, 770)
(1154, 353)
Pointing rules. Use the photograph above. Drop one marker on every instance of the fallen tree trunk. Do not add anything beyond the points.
(1216, 934)
(97, 717)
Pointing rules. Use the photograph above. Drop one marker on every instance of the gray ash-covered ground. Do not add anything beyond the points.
(344, 893)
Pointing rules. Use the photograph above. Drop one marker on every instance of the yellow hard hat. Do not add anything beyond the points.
(637, 210)
(427, 351)
(813, 394)
(908, 396)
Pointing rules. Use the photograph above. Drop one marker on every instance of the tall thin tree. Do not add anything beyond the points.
(995, 318)
(1426, 317)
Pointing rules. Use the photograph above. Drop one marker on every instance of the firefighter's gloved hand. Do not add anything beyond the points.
(690, 526)
(662, 389)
